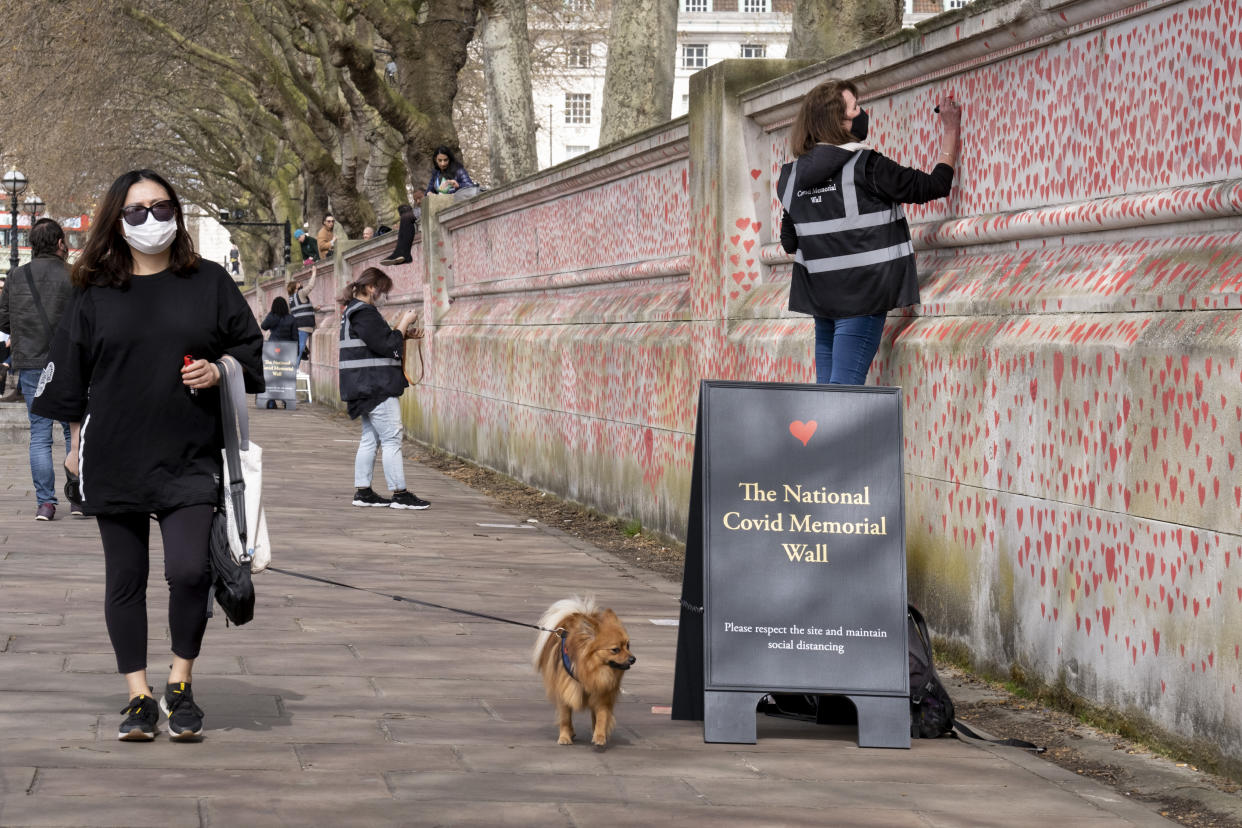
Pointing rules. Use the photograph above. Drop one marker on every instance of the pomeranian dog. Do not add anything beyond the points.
(583, 668)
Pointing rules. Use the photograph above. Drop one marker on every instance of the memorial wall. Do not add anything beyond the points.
(1072, 381)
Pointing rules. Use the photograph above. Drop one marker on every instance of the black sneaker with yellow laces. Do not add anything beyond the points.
(141, 715)
(185, 718)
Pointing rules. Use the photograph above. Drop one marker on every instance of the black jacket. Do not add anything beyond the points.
(20, 318)
(310, 248)
(282, 327)
(844, 220)
(370, 359)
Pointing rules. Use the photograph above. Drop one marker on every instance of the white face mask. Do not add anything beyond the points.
(151, 236)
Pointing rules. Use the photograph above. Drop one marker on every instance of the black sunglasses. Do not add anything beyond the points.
(136, 214)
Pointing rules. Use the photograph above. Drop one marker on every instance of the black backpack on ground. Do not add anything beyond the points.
(931, 709)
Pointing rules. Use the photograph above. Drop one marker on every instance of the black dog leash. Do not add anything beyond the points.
(557, 631)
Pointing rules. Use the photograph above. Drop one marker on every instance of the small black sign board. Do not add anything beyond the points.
(280, 363)
(795, 577)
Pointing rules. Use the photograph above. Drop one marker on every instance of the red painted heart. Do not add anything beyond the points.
(803, 431)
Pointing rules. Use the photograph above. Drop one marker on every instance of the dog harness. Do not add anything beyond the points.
(565, 662)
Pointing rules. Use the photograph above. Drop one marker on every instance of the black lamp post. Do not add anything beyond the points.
(236, 218)
(34, 205)
(14, 184)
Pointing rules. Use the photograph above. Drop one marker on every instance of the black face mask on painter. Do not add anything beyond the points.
(859, 125)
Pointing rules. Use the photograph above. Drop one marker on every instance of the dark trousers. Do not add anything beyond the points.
(127, 565)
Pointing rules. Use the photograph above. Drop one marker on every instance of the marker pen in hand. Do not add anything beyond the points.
(189, 360)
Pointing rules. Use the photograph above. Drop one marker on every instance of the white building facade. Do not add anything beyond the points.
(569, 101)
(569, 104)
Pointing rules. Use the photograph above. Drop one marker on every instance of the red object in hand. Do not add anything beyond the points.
(188, 361)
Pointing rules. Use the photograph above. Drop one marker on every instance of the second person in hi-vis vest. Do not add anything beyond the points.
(842, 218)
(371, 382)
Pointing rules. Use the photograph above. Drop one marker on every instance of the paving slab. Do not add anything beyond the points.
(341, 707)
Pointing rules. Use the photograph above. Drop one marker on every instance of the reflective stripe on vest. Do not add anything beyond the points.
(852, 220)
(871, 257)
(303, 312)
(349, 342)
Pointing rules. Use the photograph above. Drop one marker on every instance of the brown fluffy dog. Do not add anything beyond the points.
(583, 670)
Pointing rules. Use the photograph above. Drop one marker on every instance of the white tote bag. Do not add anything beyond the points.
(248, 537)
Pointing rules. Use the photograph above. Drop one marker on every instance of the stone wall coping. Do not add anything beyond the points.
(656, 147)
(940, 47)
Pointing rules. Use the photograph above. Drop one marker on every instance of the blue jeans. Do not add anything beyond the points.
(41, 469)
(302, 337)
(383, 427)
(844, 348)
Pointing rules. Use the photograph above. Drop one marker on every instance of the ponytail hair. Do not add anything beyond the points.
(371, 276)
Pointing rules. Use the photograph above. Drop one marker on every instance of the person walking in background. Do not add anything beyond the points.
(449, 175)
(406, 227)
(843, 219)
(5, 354)
(146, 423)
(280, 322)
(303, 311)
(234, 260)
(34, 298)
(371, 382)
(326, 236)
(368, 233)
(282, 327)
(308, 244)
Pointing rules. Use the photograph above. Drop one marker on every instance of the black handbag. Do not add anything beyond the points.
(231, 583)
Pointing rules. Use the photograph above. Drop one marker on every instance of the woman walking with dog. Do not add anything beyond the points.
(132, 370)
(371, 382)
(843, 220)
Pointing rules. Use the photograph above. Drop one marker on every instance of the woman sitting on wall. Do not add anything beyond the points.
(449, 175)
(843, 218)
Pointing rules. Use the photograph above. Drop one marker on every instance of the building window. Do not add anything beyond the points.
(574, 150)
(694, 56)
(580, 5)
(754, 6)
(577, 107)
(754, 50)
(955, 4)
(696, 5)
(578, 56)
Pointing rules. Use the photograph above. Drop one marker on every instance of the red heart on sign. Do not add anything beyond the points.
(803, 431)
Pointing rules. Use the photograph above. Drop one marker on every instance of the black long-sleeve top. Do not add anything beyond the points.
(146, 443)
(282, 327)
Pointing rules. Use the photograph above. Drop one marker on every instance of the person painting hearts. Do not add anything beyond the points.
(854, 261)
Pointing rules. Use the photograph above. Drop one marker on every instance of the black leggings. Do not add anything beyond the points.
(127, 564)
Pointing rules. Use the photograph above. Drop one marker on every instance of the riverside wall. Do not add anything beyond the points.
(1072, 379)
